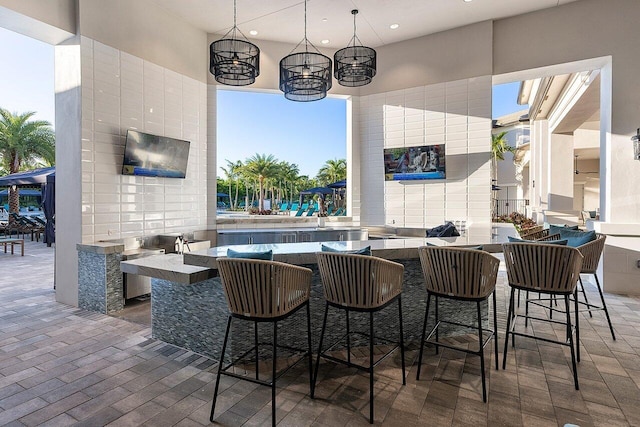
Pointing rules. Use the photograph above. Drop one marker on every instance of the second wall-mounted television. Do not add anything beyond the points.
(414, 163)
(152, 155)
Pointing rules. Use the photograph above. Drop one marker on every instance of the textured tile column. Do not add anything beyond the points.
(99, 277)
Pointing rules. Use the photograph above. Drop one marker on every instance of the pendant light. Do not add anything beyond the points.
(305, 76)
(355, 65)
(233, 61)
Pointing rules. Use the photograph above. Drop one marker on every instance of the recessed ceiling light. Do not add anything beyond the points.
(394, 26)
(253, 32)
(467, 1)
(325, 41)
(324, 19)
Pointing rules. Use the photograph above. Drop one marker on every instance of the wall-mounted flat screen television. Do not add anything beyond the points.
(153, 155)
(414, 163)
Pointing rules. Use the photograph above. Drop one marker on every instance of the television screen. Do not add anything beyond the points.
(152, 155)
(414, 163)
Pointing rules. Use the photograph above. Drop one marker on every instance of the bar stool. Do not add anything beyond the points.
(592, 252)
(263, 291)
(547, 269)
(365, 284)
(459, 274)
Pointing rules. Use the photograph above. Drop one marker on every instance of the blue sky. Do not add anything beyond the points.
(307, 134)
(26, 76)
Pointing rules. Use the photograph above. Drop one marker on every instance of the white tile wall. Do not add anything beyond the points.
(457, 114)
(120, 92)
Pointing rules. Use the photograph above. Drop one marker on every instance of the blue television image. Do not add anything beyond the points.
(414, 163)
(152, 155)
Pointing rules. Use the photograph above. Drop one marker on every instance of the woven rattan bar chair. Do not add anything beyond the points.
(592, 252)
(534, 233)
(460, 274)
(359, 283)
(263, 291)
(547, 269)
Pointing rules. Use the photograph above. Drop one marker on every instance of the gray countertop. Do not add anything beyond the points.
(168, 267)
(304, 253)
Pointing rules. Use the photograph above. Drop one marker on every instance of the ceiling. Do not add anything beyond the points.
(283, 20)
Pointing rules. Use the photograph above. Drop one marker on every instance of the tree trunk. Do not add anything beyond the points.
(260, 195)
(14, 201)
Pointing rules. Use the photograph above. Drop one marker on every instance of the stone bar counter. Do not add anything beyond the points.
(189, 308)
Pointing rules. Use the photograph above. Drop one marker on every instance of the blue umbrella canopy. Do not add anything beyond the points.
(36, 176)
(338, 184)
(317, 190)
(25, 192)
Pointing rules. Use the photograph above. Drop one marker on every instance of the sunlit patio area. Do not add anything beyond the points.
(60, 365)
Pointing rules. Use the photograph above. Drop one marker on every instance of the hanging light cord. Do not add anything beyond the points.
(305, 40)
(235, 28)
(355, 37)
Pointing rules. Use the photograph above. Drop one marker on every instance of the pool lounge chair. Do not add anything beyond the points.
(302, 209)
(338, 212)
(284, 208)
(311, 211)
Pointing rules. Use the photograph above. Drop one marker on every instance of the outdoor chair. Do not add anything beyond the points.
(533, 233)
(464, 275)
(548, 269)
(592, 252)
(359, 283)
(311, 211)
(263, 291)
(284, 208)
(338, 212)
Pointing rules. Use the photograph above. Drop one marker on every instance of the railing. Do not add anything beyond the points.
(508, 206)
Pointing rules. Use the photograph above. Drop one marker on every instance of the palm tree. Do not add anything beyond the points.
(24, 144)
(288, 174)
(332, 171)
(499, 147)
(261, 167)
(232, 171)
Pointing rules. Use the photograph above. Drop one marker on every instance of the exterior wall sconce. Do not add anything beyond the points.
(636, 145)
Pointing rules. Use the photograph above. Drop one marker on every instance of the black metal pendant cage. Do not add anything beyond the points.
(234, 62)
(355, 65)
(305, 76)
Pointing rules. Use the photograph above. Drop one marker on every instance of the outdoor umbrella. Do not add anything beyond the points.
(36, 176)
(49, 207)
(338, 184)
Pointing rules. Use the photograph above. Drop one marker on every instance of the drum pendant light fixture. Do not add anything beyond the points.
(355, 65)
(233, 61)
(305, 76)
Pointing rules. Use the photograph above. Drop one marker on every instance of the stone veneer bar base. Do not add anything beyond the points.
(194, 317)
(100, 281)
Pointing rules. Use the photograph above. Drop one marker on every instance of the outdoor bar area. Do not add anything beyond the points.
(447, 265)
(189, 306)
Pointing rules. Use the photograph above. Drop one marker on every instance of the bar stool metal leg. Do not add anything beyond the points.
(424, 334)
(371, 338)
(348, 340)
(481, 349)
(220, 363)
(508, 332)
(604, 306)
(273, 375)
(495, 327)
(315, 373)
(437, 329)
(310, 348)
(255, 339)
(404, 376)
(573, 350)
(584, 294)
